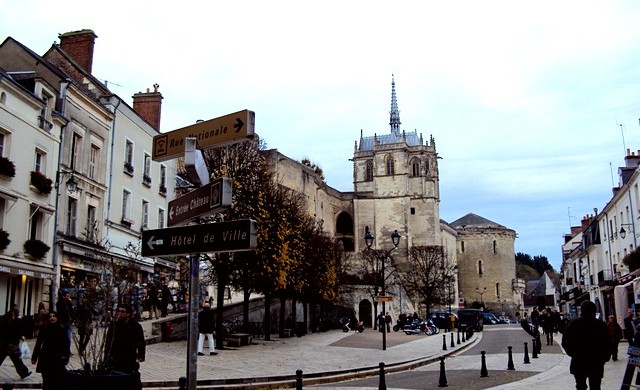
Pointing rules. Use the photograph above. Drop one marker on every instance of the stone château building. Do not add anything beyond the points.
(396, 187)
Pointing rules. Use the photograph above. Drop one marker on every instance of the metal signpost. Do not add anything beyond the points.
(211, 133)
(208, 199)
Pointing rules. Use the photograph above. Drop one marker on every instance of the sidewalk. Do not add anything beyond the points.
(333, 352)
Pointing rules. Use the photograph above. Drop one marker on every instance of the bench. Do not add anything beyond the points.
(238, 339)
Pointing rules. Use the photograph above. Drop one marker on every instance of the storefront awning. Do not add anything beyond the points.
(32, 270)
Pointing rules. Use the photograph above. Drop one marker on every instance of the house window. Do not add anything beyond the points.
(163, 179)
(128, 157)
(145, 214)
(35, 223)
(146, 177)
(72, 213)
(160, 219)
(93, 161)
(2, 141)
(92, 228)
(2, 208)
(76, 141)
(415, 167)
(38, 165)
(368, 171)
(126, 199)
(390, 166)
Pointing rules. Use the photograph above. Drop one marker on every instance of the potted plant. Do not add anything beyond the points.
(42, 183)
(36, 248)
(4, 239)
(7, 167)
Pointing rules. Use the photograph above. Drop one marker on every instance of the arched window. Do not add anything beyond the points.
(426, 167)
(390, 166)
(480, 267)
(498, 290)
(495, 247)
(415, 167)
(368, 171)
(462, 246)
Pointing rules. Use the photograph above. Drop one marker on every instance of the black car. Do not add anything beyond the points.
(442, 319)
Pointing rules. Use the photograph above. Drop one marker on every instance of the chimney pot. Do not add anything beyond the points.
(148, 105)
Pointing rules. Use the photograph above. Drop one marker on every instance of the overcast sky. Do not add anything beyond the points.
(525, 101)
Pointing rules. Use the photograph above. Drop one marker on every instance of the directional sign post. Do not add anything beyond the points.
(230, 236)
(213, 132)
(207, 199)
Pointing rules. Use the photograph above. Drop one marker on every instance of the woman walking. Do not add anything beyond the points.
(51, 353)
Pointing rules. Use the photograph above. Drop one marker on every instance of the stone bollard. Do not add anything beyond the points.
(534, 349)
(182, 383)
(526, 353)
(298, 379)
(538, 344)
(444, 342)
(463, 339)
(458, 336)
(453, 344)
(382, 385)
(443, 377)
(483, 370)
(510, 363)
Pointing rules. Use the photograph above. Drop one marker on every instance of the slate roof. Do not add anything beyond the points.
(473, 220)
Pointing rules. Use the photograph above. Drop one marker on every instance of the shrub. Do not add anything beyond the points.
(36, 248)
(7, 167)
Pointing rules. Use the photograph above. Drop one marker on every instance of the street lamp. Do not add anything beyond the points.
(452, 274)
(481, 292)
(382, 256)
(623, 233)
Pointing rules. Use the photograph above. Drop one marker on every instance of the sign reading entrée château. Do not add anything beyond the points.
(207, 199)
(230, 236)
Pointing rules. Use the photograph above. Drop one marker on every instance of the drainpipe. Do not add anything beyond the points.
(633, 225)
(55, 284)
(109, 186)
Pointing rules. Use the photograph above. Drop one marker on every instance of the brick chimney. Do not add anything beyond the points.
(632, 160)
(79, 46)
(148, 105)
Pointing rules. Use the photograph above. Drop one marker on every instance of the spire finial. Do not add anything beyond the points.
(394, 119)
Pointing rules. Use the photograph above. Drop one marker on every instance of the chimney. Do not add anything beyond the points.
(79, 46)
(632, 160)
(148, 105)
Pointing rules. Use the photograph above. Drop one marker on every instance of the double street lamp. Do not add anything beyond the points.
(382, 256)
(481, 292)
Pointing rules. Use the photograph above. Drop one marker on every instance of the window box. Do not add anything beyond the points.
(7, 167)
(41, 183)
(127, 222)
(146, 179)
(163, 190)
(36, 248)
(4, 239)
(128, 168)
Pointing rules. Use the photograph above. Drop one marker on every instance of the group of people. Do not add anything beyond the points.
(124, 346)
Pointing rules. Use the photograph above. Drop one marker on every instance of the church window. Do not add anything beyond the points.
(415, 167)
(495, 247)
(413, 211)
(498, 290)
(426, 167)
(480, 267)
(390, 166)
(368, 171)
(462, 246)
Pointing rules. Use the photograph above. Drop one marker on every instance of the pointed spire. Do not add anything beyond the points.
(394, 119)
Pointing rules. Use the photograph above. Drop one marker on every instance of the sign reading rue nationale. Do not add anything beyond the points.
(229, 236)
(210, 198)
(213, 132)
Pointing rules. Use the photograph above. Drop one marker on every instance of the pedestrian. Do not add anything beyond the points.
(586, 339)
(629, 329)
(154, 302)
(41, 319)
(11, 334)
(381, 322)
(615, 332)
(387, 320)
(64, 307)
(206, 325)
(166, 300)
(548, 325)
(562, 323)
(85, 324)
(125, 344)
(535, 319)
(51, 354)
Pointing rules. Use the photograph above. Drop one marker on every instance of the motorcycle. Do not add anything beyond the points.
(421, 327)
(353, 325)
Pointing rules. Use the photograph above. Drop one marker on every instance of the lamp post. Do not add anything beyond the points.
(449, 276)
(382, 256)
(481, 292)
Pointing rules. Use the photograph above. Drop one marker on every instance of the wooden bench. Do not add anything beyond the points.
(238, 339)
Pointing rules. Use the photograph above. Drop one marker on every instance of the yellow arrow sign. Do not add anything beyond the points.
(213, 132)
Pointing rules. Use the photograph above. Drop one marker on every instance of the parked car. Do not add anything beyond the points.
(442, 319)
(490, 318)
(470, 319)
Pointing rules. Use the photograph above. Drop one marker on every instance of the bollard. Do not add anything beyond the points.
(182, 383)
(382, 385)
(463, 340)
(526, 353)
(298, 379)
(443, 376)
(510, 363)
(538, 344)
(444, 342)
(534, 350)
(453, 344)
(7, 386)
(483, 370)
(458, 336)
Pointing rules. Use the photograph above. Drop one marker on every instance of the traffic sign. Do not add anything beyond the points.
(382, 298)
(230, 236)
(208, 199)
(213, 132)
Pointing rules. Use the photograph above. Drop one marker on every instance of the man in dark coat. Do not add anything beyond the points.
(10, 335)
(125, 346)
(51, 354)
(629, 330)
(586, 340)
(64, 307)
